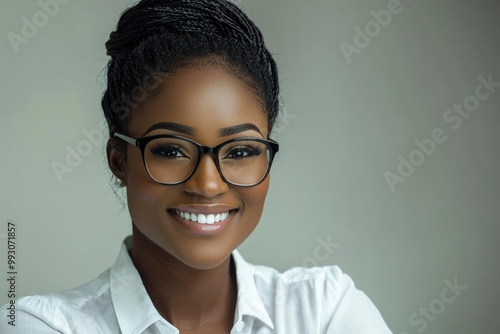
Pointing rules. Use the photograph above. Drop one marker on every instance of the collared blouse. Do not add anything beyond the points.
(299, 301)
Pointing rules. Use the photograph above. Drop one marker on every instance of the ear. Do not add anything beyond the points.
(117, 161)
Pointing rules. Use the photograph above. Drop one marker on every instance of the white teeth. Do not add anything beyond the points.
(201, 218)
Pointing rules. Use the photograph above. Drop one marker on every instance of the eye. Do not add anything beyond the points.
(242, 152)
(166, 151)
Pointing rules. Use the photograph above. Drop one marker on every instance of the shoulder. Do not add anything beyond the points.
(65, 311)
(300, 282)
(324, 295)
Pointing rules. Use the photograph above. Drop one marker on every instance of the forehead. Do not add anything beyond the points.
(206, 97)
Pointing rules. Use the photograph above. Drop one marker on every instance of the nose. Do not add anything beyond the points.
(206, 181)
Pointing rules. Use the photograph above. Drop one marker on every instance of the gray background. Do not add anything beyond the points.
(344, 125)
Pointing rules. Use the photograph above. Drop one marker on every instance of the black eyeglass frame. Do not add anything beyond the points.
(142, 142)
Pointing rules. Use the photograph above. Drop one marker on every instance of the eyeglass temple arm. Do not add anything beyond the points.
(128, 139)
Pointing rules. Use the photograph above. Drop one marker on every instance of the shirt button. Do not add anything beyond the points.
(240, 326)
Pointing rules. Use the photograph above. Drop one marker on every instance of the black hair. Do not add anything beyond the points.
(154, 38)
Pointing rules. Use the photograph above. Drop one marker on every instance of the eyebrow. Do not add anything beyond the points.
(171, 126)
(232, 130)
(224, 132)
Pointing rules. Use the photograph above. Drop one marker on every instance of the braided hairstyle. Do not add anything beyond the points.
(154, 38)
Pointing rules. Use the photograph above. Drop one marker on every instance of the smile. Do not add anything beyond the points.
(201, 218)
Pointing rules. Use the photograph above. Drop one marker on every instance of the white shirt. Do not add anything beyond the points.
(298, 301)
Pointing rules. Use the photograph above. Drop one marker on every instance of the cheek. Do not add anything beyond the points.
(254, 200)
(143, 194)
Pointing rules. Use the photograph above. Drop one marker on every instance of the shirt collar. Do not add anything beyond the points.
(134, 309)
(130, 298)
(249, 302)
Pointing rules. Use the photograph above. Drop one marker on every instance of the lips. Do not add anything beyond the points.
(204, 220)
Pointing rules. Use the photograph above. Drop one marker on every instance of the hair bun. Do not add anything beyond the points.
(157, 17)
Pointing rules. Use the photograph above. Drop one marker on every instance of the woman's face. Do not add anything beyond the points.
(206, 99)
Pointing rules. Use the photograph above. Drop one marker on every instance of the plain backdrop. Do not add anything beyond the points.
(347, 121)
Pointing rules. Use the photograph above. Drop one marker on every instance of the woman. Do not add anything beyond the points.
(191, 100)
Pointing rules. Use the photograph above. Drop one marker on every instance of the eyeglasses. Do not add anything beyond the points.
(172, 159)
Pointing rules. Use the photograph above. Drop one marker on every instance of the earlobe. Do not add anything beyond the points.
(116, 162)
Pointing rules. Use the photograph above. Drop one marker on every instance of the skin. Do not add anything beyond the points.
(190, 278)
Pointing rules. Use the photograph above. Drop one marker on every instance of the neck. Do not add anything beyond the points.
(186, 297)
